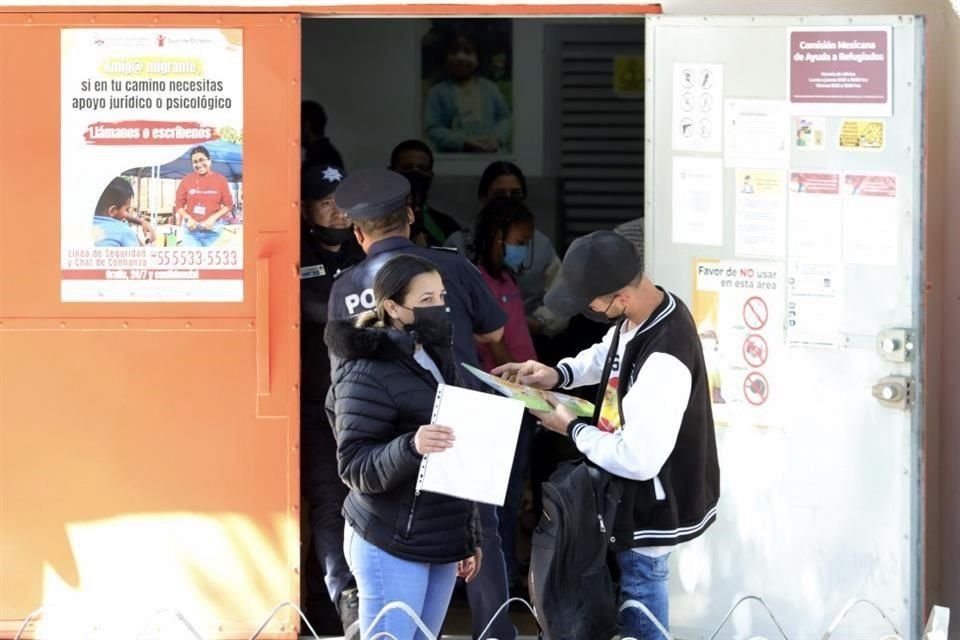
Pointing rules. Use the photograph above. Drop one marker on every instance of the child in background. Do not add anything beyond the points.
(502, 236)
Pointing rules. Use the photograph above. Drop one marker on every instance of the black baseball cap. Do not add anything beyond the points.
(370, 194)
(319, 181)
(595, 265)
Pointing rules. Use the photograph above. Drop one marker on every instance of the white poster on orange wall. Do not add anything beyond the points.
(151, 165)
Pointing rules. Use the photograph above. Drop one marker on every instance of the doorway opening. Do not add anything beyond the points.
(562, 99)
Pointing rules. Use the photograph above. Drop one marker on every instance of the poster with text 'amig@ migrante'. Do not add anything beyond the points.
(152, 165)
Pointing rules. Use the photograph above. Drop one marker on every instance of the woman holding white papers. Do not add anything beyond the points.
(401, 545)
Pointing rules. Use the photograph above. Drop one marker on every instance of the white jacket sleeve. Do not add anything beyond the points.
(586, 367)
(652, 413)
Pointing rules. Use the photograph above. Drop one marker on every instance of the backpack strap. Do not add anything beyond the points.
(607, 367)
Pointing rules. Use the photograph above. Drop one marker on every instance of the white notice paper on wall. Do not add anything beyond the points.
(870, 219)
(761, 213)
(757, 133)
(698, 201)
(477, 466)
(697, 107)
(815, 218)
(814, 304)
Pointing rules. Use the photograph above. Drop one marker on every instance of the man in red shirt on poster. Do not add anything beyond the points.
(203, 198)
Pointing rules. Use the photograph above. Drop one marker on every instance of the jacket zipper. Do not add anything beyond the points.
(603, 527)
(413, 506)
(422, 373)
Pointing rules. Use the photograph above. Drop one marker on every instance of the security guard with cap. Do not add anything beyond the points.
(376, 202)
(327, 245)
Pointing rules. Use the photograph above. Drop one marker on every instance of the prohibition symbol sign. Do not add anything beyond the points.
(755, 350)
(755, 313)
(755, 388)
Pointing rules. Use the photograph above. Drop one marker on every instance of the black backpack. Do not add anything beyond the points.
(570, 583)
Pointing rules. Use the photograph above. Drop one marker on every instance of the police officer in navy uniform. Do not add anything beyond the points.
(376, 201)
(327, 245)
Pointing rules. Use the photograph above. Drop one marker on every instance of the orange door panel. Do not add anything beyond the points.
(148, 451)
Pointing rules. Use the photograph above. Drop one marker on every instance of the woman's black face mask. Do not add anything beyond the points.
(432, 326)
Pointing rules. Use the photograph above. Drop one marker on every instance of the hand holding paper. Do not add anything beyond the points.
(557, 420)
(486, 428)
(534, 397)
(433, 438)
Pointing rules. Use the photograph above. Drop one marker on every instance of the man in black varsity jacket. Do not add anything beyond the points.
(654, 425)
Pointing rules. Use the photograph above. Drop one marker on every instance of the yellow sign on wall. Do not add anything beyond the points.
(862, 135)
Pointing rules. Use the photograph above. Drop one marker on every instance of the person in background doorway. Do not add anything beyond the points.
(414, 161)
(316, 146)
(656, 430)
(112, 213)
(376, 201)
(402, 545)
(203, 198)
(466, 112)
(327, 246)
(541, 265)
(502, 236)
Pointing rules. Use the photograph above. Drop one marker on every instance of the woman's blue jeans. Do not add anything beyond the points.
(383, 578)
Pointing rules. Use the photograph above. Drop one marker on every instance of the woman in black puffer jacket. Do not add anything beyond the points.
(401, 545)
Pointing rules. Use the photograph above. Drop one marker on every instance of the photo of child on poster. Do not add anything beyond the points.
(466, 81)
(113, 224)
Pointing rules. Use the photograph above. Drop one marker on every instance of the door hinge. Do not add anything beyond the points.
(895, 344)
(895, 392)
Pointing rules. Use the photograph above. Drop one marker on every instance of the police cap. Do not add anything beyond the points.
(319, 181)
(369, 194)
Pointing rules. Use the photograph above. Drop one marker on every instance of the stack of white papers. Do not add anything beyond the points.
(477, 466)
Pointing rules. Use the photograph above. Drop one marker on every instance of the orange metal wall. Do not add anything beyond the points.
(148, 452)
